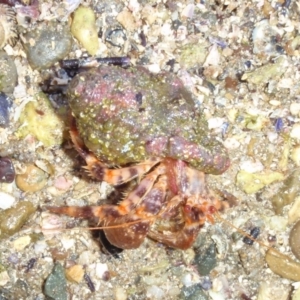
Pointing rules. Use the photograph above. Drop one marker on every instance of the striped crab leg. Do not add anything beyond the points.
(99, 170)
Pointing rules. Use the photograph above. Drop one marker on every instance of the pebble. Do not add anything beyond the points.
(4, 110)
(206, 261)
(47, 44)
(4, 278)
(12, 219)
(7, 170)
(84, 29)
(22, 242)
(287, 193)
(269, 291)
(296, 295)
(295, 155)
(251, 183)
(6, 200)
(126, 19)
(295, 132)
(294, 239)
(101, 269)
(34, 179)
(294, 212)
(193, 292)
(251, 259)
(56, 284)
(283, 265)
(39, 118)
(192, 55)
(295, 108)
(75, 273)
(120, 293)
(8, 73)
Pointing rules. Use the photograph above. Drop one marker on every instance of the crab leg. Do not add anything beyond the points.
(149, 195)
(194, 219)
(130, 236)
(99, 171)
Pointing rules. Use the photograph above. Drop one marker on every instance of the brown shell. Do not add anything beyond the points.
(8, 26)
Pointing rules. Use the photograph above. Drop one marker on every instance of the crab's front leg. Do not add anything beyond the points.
(128, 223)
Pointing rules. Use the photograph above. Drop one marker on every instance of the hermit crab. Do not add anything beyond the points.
(130, 124)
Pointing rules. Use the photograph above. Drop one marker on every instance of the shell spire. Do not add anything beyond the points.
(8, 26)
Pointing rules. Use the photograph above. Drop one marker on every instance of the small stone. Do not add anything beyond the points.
(101, 269)
(22, 242)
(120, 293)
(253, 182)
(8, 73)
(294, 212)
(207, 260)
(7, 170)
(126, 19)
(193, 292)
(4, 110)
(39, 118)
(283, 265)
(295, 108)
(271, 291)
(4, 278)
(47, 44)
(251, 259)
(84, 29)
(295, 132)
(295, 155)
(75, 273)
(287, 193)
(12, 219)
(294, 239)
(56, 284)
(6, 200)
(192, 55)
(34, 179)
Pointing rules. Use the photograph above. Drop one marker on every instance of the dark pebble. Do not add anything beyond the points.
(4, 106)
(254, 233)
(7, 170)
(206, 261)
(193, 292)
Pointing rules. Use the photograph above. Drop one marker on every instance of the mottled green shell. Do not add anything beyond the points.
(129, 115)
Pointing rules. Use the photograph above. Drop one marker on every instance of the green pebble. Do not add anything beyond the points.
(56, 284)
(12, 219)
(206, 261)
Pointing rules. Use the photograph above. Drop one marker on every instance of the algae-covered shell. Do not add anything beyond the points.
(8, 26)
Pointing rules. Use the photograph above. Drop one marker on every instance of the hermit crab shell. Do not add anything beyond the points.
(8, 26)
